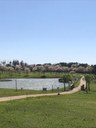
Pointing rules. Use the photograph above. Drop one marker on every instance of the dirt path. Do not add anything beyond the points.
(77, 89)
(9, 98)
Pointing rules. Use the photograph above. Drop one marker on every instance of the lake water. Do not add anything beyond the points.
(32, 84)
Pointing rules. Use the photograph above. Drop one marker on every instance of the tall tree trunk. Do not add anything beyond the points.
(64, 86)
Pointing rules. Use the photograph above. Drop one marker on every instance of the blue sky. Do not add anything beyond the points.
(48, 31)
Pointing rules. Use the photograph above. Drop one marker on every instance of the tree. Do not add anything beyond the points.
(93, 69)
(15, 62)
(66, 79)
(88, 81)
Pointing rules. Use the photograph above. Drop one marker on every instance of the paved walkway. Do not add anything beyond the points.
(77, 89)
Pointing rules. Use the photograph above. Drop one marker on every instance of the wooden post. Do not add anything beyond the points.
(16, 84)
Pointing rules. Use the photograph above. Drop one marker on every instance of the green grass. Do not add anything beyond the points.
(68, 111)
(13, 92)
(31, 75)
(35, 75)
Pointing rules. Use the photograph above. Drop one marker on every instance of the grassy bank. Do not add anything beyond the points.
(13, 92)
(69, 111)
(34, 75)
(31, 75)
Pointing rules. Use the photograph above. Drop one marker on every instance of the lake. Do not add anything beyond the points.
(32, 84)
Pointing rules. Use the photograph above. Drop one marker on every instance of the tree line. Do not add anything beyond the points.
(21, 66)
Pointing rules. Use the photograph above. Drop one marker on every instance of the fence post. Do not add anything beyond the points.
(16, 84)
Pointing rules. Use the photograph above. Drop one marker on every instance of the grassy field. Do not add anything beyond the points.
(13, 92)
(69, 111)
(31, 75)
(34, 75)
